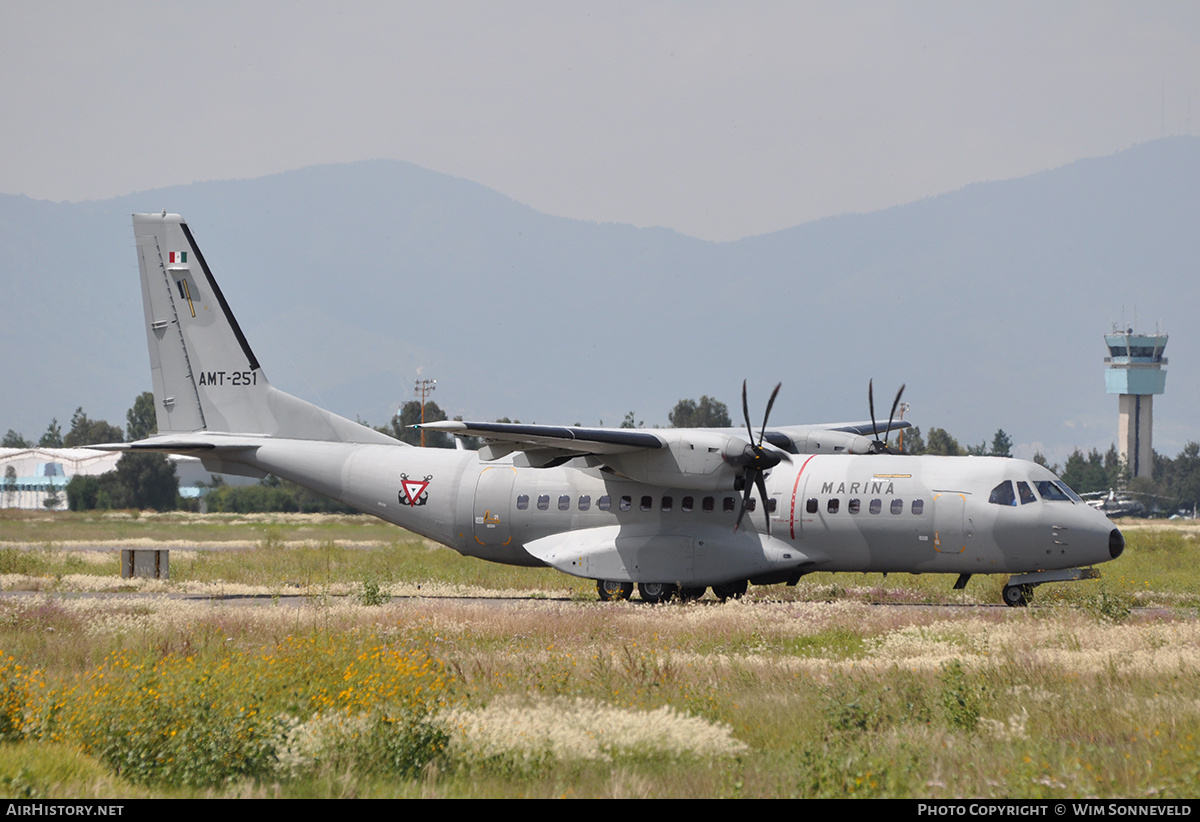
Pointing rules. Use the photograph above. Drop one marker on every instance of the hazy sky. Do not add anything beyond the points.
(716, 119)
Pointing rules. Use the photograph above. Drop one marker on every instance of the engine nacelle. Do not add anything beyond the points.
(831, 442)
(699, 462)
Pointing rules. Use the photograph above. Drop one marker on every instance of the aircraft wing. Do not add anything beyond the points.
(681, 457)
(548, 445)
(864, 428)
(852, 437)
(831, 437)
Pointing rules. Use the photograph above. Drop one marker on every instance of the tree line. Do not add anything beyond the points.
(144, 480)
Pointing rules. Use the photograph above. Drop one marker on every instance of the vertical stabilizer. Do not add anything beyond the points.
(205, 376)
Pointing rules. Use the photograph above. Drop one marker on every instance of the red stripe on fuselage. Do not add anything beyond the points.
(794, 487)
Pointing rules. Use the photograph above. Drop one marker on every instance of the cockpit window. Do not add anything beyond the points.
(1049, 490)
(1066, 489)
(1003, 494)
(1025, 492)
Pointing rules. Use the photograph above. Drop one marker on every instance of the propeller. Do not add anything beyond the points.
(881, 446)
(758, 459)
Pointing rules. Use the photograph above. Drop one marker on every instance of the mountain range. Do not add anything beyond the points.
(352, 281)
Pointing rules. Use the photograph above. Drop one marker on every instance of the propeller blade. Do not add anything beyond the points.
(758, 458)
(746, 413)
(895, 405)
(777, 453)
(879, 446)
(762, 494)
(745, 501)
(763, 433)
(871, 405)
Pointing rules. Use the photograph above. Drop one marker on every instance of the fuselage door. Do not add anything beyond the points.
(949, 509)
(493, 505)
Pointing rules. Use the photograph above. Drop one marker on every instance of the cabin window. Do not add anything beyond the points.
(772, 504)
(626, 503)
(522, 502)
(1025, 493)
(918, 506)
(876, 506)
(729, 505)
(854, 506)
(709, 505)
(647, 503)
(686, 504)
(585, 502)
(668, 503)
(752, 504)
(811, 505)
(833, 504)
(564, 502)
(1003, 494)
(897, 506)
(544, 502)
(604, 503)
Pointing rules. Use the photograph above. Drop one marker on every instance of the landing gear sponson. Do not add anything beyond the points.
(656, 592)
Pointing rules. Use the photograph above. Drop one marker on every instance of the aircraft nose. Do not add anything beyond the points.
(1116, 543)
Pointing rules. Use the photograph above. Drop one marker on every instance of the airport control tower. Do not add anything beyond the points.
(1134, 369)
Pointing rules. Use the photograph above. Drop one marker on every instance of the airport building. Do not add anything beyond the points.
(29, 477)
(1134, 371)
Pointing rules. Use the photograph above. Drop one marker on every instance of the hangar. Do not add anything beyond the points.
(31, 476)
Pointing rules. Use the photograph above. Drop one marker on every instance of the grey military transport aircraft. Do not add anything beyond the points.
(663, 509)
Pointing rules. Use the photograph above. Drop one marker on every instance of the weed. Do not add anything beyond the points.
(961, 699)
(185, 720)
(22, 785)
(372, 593)
(18, 561)
(1110, 606)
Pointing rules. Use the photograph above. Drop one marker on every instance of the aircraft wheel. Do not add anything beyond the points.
(1014, 596)
(689, 594)
(655, 592)
(611, 590)
(731, 590)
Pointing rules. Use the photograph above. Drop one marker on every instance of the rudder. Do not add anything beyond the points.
(205, 376)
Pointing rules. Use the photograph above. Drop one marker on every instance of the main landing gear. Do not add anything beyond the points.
(655, 592)
(610, 590)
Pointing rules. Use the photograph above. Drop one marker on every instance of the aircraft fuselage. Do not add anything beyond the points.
(871, 513)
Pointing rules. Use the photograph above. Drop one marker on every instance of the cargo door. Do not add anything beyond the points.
(949, 535)
(493, 505)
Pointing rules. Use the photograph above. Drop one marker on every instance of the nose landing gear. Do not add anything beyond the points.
(1019, 589)
(1017, 596)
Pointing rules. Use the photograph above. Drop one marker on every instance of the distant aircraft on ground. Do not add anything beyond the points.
(663, 509)
(1115, 505)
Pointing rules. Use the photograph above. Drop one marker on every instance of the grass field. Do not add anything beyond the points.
(299, 655)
